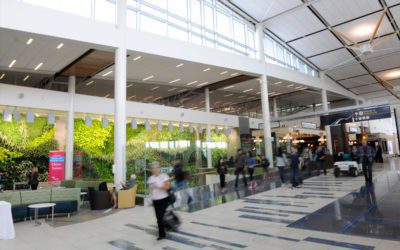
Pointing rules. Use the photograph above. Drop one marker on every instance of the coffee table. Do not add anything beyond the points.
(42, 205)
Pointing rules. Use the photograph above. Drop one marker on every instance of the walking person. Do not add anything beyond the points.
(159, 185)
(265, 165)
(294, 167)
(251, 163)
(379, 158)
(281, 162)
(307, 157)
(321, 159)
(239, 167)
(181, 179)
(222, 170)
(33, 180)
(367, 155)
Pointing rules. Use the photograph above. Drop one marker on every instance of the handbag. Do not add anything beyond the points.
(171, 196)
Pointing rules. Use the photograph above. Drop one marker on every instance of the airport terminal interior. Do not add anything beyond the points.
(199, 124)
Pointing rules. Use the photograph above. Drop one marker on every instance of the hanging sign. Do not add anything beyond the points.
(56, 165)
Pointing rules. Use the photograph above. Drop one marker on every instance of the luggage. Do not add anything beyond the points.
(171, 221)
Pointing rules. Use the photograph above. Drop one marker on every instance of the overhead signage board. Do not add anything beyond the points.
(356, 115)
(273, 125)
(308, 125)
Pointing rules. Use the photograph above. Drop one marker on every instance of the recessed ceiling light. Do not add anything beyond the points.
(247, 90)
(290, 85)
(194, 107)
(26, 78)
(363, 30)
(276, 83)
(147, 98)
(60, 46)
(299, 87)
(234, 74)
(158, 98)
(224, 72)
(190, 83)
(87, 84)
(207, 69)
(106, 74)
(137, 58)
(30, 40)
(202, 84)
(155, 88)
(228, 95)
(129, 85)
(176, 80)
(148, 78)
(258, 93)
(171, 89)
(182, 90)
(229, 87)
(394, 74)
(38, 66)
(217, 102)
(253, 97)
(2, 76)
(106, 95)
(242, 96)
(180, 65)
(132, 96)
(12, 63)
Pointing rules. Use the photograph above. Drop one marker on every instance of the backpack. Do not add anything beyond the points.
(266, 163)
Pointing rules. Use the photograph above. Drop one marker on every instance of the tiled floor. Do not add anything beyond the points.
(326, 213)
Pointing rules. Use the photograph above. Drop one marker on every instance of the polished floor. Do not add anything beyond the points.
(326, 213)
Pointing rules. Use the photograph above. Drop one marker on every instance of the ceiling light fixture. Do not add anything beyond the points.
(190, 83)
(180, 65)
(155, 88)
(87, 84)
(277, 83)
(258, 93)
(129, 85)
(228, 95)
(247, 90)
(176, 80)
(26, 78)
(224, 72)
(38, 66)
(148, 78)
(182, 90)
(242, 96)
(202, 84)
(2, 76)
(132, 96)
(363, 30)
(30, 40)
(207, 69)
(106, 95)
(158, 98)
(147, 98)
(12, 63)
(171, 89)
(229, 87)
(60, 46)
(290, 85)
(394, 74)
(299, 87)
(137, 58)
(234, 74)
(106, 74)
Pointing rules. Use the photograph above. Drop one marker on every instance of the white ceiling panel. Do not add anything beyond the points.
(392, 2)
(348, 71)
(332, 59)
(358, 81)
(299, 23)
(390, 46)
(263, 9)
(376, 94)
(315, 44)
(395, 81)
(384, 99)
(387, 62)
(396, 13)
(339, 11)
(362, 29)
(368, 88)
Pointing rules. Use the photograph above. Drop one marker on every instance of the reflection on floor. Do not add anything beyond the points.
(326, 213)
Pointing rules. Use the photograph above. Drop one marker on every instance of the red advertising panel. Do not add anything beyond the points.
(56, 165)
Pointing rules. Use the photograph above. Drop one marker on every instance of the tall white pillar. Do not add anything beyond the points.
(324, 100)
(260, 42)
(357, 102)
(275, 108)
(266, 117)
(207, 103)
(120, 98)
(69, 149)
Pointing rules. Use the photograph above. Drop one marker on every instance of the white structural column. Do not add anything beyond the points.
(275, 108)
(69, 150)
(264, 94)
(120, 98)
(357, 102)
(324, 100)
(207, 103)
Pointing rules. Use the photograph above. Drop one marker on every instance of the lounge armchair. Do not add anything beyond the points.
(127, 198)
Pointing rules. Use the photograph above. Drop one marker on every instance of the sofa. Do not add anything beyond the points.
(127, 198)
(67, 201)
(82, 184)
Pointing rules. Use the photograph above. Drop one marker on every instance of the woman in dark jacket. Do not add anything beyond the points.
(33, 180)
(222, 170)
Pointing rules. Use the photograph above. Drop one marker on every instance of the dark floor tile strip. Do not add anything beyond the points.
(259, 212)
(123, 244)
(211, 239)
(278, 210)
(170, 237)
(271, 203)
(318, 193)
(302, 197)
(253, 217)
(339, 243)
(246, 231)
(350, 225)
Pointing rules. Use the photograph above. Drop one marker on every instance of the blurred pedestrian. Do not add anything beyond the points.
(281, 162)
(239, 167)
(251, 164)
(33, 178)
(222, 170)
